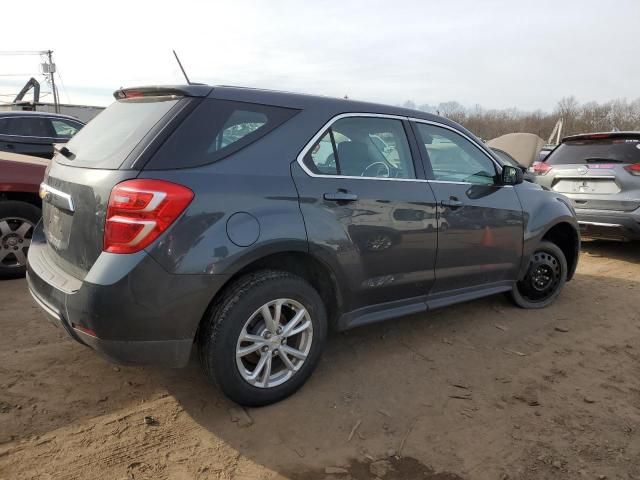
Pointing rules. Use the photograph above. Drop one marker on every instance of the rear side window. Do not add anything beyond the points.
(108, 139)
(216, 129)
(611, 150)
(29, 127)
(363, 147)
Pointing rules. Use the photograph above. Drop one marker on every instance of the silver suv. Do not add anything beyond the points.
(600, 173)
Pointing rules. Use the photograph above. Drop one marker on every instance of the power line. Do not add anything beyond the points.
(66, 93)
(23, 52)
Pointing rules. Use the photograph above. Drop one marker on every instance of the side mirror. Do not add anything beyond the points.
(512, 175)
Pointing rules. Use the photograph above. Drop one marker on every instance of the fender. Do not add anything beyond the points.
(543, 210)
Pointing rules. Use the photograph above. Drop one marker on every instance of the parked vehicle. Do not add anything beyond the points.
(34, 133)
(600, 173)
(509, 160)
(20, 178)
(544, 152)
(250, 222)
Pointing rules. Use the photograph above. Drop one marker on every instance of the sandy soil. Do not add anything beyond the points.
(476, 391)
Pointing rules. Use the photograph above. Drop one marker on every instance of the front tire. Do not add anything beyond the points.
(17, 221)
(544, 280)
(263, 338)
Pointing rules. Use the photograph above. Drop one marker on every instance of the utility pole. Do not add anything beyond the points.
(51, 70)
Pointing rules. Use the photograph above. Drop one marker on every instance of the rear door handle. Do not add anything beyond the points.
(340, 197)
(453, 202)
(11, 146)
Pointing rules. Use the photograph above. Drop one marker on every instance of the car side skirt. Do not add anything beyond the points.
(411, 306)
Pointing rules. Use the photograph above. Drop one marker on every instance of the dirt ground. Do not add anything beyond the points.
(481, 390)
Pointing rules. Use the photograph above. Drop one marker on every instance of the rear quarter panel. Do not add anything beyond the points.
(255, 182)
(19, 173)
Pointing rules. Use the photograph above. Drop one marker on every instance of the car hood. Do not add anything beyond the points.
(524, 147)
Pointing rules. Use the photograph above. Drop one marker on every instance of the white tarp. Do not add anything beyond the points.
(524, 147)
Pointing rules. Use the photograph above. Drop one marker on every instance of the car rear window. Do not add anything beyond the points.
(108, 139)
(612, 150)
(216, 129)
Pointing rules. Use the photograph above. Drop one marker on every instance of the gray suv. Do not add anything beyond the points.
(249, 222)
(600, 173)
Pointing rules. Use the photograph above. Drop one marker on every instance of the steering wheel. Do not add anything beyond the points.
(380, 172)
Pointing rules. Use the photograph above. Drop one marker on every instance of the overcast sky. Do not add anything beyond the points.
(494, 53)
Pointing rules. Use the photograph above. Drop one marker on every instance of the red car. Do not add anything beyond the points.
(20, 178)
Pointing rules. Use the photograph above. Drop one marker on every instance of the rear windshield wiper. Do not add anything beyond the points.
(63, 150)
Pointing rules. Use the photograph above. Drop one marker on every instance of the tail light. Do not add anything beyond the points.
(139, 211)
(540, 168)
(633, 169)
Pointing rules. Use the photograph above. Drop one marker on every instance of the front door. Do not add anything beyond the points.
(366, 210)
(480, 225)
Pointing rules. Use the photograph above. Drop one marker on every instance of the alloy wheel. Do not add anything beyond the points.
(274, 343)
(15, 238)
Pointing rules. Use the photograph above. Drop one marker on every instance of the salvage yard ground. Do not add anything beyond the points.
(481, 390)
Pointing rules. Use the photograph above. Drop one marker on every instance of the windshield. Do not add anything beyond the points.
(109, 138)
(614, 150)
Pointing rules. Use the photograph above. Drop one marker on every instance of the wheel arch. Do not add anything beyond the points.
(26, 197)
(567, 238)
(298, 262)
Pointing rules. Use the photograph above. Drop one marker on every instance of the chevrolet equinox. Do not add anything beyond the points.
(249, 222)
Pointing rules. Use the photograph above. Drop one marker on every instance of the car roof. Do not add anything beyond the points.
(331, 105)
(305, 100)
(602, 135)
(30, 113)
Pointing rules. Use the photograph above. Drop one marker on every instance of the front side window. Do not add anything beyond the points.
(363, 147)
(65, 128)
(453, 158)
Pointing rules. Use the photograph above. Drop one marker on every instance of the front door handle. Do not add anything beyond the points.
(11, 146)
(340, 197)
(453, 202)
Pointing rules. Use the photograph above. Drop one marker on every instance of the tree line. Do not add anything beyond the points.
(577, 117)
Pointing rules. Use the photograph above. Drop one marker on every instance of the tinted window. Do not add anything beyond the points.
(215, 129)
(363, 147)
(65, 128)
(108, 139)
(29, 127)
(616, 150)
(454, 158)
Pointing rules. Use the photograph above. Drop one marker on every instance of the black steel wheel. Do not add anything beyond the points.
(545, 277)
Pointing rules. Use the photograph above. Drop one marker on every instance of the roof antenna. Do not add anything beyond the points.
(181, 68)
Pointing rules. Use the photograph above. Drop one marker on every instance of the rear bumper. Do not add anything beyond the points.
(170, 353)
(128, 308)
(614, 225)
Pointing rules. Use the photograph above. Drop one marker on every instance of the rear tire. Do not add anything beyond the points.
(545, 278)
(239, 313)
(17, 221)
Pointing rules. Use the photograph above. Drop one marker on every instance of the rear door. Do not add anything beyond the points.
(480, 225)
(368, 209)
